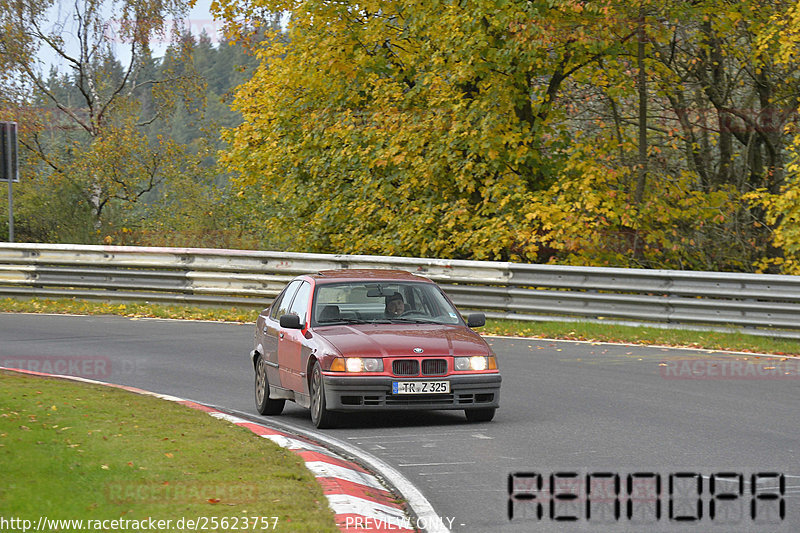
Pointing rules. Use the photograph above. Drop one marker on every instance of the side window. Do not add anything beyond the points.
(300, 304)
(416, 300)
(281, 304)
(421, 303)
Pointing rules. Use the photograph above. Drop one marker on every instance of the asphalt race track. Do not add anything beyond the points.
(667, 440)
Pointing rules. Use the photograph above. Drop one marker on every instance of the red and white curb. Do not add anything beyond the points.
(360, 501)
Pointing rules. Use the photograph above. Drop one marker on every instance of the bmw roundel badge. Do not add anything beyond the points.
(418, 350)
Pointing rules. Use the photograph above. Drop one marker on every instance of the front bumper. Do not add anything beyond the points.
(366, 393)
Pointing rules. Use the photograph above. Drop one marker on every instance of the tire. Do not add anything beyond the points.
(484, 414)
(320, 416)
(264, 404)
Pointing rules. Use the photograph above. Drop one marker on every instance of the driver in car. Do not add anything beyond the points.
(395, 306)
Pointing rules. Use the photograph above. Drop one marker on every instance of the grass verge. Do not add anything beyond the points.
(73, 451)
(135, 309)
(584, 331)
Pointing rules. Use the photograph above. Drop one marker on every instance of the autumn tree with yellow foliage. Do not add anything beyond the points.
(603, 133)
(781, 201)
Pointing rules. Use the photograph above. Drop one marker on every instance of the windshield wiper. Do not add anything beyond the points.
(410, 320)
(343, 321)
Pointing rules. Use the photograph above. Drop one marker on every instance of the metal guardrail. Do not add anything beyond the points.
(764, 304)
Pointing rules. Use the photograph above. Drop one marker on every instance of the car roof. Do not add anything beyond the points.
(370, 274)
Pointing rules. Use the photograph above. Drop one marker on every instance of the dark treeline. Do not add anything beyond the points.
(117, 154)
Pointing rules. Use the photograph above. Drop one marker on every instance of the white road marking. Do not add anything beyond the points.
(323, 469)
(294, 444)
(344, 504)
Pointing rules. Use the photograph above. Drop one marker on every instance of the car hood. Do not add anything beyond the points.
(400, 340)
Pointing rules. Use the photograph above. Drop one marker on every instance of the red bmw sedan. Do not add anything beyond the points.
(371, 340)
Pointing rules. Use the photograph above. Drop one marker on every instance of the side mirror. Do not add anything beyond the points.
(291, 322)
(476, 320)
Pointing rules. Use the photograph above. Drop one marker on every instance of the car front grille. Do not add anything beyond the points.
(434, 367)
(438, 399)
(411, 367)
(405, 367)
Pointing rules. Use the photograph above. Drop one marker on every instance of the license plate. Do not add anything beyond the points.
(420, 387)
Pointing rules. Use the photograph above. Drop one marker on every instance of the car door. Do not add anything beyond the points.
(292, 341)
(271, 330)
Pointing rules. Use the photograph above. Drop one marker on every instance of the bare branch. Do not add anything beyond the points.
(42, 87)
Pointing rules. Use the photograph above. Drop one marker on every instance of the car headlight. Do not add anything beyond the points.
(476, 362)
(357, 364)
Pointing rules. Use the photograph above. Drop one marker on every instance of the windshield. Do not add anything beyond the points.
(384, 302)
